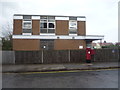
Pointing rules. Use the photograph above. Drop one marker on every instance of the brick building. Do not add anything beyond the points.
(49, 32)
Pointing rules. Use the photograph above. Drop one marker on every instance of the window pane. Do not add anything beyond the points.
(27, 30)
(43, 21)
(72, 24)
(51, 30)
(43, 25)
(72, 31)
(43, 17)
(27, 24)
(26, 17)
(51, 25)
(50, 17)
(72, 18)
(51, 20)
(43, 30)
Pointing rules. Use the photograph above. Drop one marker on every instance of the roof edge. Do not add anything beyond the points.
(48, 15)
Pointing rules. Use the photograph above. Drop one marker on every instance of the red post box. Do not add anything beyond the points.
(88, 55)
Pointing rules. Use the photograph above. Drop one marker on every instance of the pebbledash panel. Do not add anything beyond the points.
(50, 32)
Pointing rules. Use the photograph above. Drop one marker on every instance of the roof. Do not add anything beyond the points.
(106, 44)
(118, 43)
(48, 15)
(102, 44)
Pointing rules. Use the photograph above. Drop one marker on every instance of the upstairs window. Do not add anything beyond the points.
(72, 27)
(51, 24)
(73, 18)
(47, 24)
(43, 24)
(27, 17)
(27, 24)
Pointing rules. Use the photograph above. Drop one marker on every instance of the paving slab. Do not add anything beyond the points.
(55, 67)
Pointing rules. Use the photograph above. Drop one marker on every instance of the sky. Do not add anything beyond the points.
(101, 15)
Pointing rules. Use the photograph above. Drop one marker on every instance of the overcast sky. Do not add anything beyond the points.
(101, 15)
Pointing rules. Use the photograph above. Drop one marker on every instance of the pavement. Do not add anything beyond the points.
(58, 67)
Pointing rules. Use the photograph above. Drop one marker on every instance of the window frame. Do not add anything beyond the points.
(24, 21)
(75, 27)
(53, 23)
(25, 28)
(43, 22)
(48, 22)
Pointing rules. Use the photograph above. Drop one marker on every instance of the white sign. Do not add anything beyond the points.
(80, 47)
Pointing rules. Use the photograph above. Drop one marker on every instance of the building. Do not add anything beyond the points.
(50, 32)
(101, 45)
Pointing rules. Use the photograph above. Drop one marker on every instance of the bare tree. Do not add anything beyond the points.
(7, 37)
(7, 31)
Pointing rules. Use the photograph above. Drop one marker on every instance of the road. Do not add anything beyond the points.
(79, 79)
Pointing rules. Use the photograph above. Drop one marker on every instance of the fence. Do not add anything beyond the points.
(106, 55)
(58, 56)
(8, 57)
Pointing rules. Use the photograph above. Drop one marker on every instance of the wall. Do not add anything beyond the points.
(26, 44)
(28, 57)
(17, 27)
(8, 57)
(68, 44)
(106, 55)
(81, 28)
(58, 56)
(36, 27)
(62, 27)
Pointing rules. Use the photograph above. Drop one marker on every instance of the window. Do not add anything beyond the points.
(26, 17)
(72, 26)
(51, 25)
(72, 18)
(47, 44)
(43, 24)
(27, 26)
(47, 24)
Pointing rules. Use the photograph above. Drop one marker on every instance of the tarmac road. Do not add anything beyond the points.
(79, 79)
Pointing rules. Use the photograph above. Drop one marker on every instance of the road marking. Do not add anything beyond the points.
(60, 71)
